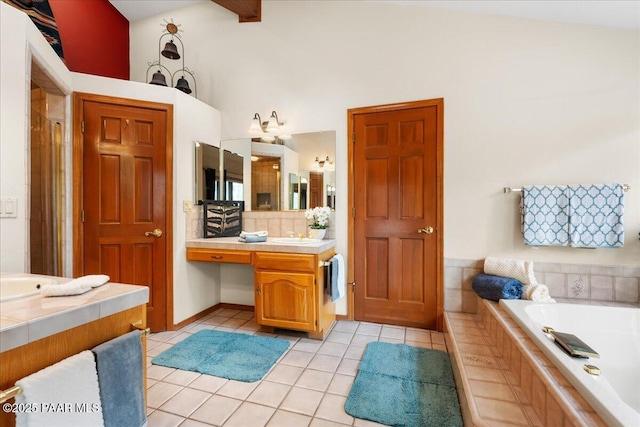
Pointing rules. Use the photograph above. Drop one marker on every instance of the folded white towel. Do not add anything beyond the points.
(76, 286)
(66, 394)
(514, 268)
(254, 233)
(538, 292)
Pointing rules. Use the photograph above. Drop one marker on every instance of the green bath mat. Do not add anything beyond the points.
(229, 355)
(400, 385)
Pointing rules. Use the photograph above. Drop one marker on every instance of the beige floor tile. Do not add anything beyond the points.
(368, 329)
(308, 345)
(297, 358)
(332, 408)
(501, 411)
(485, 374)
(319, 422)
(245, 315)
(391, 340)
(251, 325)
(417, 335)
(216, 410)
(181, 377)
(340, 337)
(208, 383)
(363, 340)
(159, 349)
(192, 423)
(392, 332)
(234, 322)
(364, 423)
(284, 374)
(288, 419)
(323, 362)
(160, 393)
(150, 382)
(237, 389)
(180, 337)
(348, 367)
(225, 329)
(197, 327)
(418, 344)
(185, 402)
(354, 352)
(163, 336)
(269, 393)
(333, 349)
(340, 384)
(215, 320)
(302, 401)
(228, 312)
(163, 419)
(346, 326)
(250, 414)
(315, 380)
(157, 372)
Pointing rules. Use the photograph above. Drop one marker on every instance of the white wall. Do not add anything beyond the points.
(526, 101)
(20, 43)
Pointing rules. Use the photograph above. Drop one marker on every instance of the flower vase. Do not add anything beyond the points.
(317, 233)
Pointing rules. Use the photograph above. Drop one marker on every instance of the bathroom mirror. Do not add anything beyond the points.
(306, 161)
(207, 172)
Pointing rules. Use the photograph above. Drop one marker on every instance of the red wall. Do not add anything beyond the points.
(95, 37)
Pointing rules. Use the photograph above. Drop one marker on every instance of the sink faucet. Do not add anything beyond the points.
(301, 235)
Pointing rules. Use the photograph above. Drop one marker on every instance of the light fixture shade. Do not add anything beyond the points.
(158, 79)
(273, 125)
(267, 138)
(316, 164)
(183, 85)
(170, 51)
(256, 127)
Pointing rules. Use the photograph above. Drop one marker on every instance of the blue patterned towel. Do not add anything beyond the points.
(545, 215)
(595, 219)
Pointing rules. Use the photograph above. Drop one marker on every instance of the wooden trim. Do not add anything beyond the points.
(241, 307)
(342, 317)
(78, 173)
(351, 113)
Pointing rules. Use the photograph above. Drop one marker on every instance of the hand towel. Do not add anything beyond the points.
(254, 233)
(539, 293)
(596, 216)
(119, 364)
(545, 215)
(76, 286)
(516, 269)
(337, 285)
(66, 394)
(495, 288)
(252, 239)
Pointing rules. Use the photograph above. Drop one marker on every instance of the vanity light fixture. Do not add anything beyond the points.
(270, 130)
(171, 51)
(322, 164)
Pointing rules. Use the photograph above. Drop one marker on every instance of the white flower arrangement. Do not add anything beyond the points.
(318, 217)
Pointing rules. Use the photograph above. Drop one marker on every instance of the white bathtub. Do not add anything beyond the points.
(14, 286)
(613, 332)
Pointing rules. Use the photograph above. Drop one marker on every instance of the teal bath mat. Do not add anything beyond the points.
(400, 385)
(230, 355)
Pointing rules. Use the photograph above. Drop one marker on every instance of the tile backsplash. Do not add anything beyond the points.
(278, 224)
(571, 281)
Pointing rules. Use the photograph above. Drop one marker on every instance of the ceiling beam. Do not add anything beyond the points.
(247, 10)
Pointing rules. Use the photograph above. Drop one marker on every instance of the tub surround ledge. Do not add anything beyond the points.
(502, 377)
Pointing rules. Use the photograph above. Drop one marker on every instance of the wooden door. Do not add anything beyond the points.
(397, 249)
(126, 193)
(316, 185)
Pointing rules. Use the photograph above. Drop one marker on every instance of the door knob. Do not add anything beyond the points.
(427, 230)
(155, 233)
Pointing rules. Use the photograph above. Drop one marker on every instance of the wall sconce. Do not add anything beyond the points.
(171, 51)
(270, 130)
(322, 164)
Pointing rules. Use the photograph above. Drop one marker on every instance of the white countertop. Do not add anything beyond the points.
(270, 245)
(29, 319)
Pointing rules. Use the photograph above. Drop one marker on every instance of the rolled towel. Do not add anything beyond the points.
(252, 239)
(254, 234)
(514, 268)
(495, 288)
(76, 286)
(539, 293)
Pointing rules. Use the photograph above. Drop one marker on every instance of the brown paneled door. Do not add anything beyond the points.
(124, 187)
(397, 256)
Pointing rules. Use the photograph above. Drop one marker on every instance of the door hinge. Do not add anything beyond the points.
(81, 216)
(353, 212)
(82, 126)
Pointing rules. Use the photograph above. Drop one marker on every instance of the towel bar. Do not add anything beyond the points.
(625, 187)
(10, 393)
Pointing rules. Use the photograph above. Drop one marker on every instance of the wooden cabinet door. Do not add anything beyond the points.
(285, 300)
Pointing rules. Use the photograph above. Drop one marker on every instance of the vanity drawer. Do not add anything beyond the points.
(285, 262)
(218, 255)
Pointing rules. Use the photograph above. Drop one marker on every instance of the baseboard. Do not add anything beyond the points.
(196, 316)
(342, 317)
(236, 306)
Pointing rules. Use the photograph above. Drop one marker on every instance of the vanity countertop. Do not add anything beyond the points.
(232, 243)
(31, 318)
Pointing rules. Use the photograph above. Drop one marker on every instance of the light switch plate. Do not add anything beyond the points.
(187, 206)
(9, 207)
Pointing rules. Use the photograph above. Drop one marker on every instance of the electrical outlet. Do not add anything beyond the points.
(187, 205)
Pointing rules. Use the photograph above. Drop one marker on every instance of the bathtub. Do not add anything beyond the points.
(14, 286)
(613, 332)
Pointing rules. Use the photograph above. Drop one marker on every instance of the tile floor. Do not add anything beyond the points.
(306, 387)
